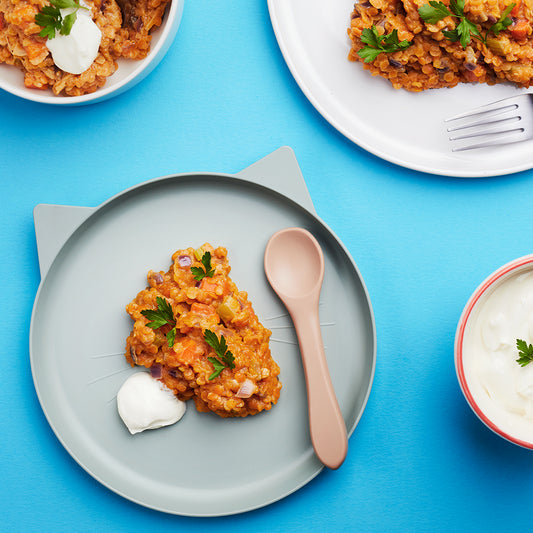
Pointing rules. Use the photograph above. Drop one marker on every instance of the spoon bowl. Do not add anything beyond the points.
(287, 249)
(294, 266)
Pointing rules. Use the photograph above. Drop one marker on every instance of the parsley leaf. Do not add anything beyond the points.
(451, 35)
(200, 273)
(171, 337)
(503, 22)
(457, 7)
(162, 316)
(433, 12)
(377, 44)
(525, 352)
(465, 28)
(49, 19)
(224, 359)
(52, 21)
(68, 22)
(218, 367)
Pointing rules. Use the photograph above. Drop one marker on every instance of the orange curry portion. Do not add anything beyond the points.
(213, 304)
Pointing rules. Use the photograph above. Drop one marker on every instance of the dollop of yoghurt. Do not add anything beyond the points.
(76, 52)
(500, 386)
(145, 403)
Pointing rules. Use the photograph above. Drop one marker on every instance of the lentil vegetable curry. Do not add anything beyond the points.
(199, 335)
(423, 44)
(126, 27)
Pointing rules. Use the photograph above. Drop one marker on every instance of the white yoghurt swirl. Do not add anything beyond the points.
(76, 52)
(145, 403)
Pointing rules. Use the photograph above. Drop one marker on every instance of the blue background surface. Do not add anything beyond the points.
(221, 99)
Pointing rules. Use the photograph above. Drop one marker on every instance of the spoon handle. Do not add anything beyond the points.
(327, 427)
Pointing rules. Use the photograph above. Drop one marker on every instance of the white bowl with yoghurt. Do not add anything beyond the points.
(127, 75)
(498, 389)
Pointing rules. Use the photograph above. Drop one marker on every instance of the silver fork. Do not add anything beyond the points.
(502, 122)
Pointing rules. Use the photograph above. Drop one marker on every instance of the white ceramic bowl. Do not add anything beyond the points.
(480, 398)
(128, 74)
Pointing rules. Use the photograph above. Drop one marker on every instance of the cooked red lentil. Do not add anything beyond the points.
(434, 61)
(125, 31)
(213, 304)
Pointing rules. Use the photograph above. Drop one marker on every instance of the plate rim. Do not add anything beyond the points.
(178, 177)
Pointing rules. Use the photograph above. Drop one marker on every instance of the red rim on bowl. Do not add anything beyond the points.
(512, 267)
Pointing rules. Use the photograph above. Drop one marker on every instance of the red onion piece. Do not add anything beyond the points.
(158, 278)
(246, 390)
(156, 371)
(184, 261)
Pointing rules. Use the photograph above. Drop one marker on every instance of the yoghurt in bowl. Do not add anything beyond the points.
(496, 385)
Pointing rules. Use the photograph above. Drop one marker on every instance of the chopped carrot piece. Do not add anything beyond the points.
(516, 8)
(209, 285)
(202, 309)
(521, 29)
(187, 350)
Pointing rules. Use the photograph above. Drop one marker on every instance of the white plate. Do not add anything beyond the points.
(402, 127)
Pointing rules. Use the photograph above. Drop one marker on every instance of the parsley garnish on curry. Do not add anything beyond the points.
(429, 44)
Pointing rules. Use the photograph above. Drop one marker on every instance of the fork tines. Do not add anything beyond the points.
(493, 124)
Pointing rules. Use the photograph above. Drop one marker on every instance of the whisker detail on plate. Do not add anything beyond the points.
(283, 341)
(110, 400)
(100, 378)
(290, 326)
(276, 316)
(106, 355)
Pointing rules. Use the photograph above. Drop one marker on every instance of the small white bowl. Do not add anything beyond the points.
(128, 74)
(473, 374)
